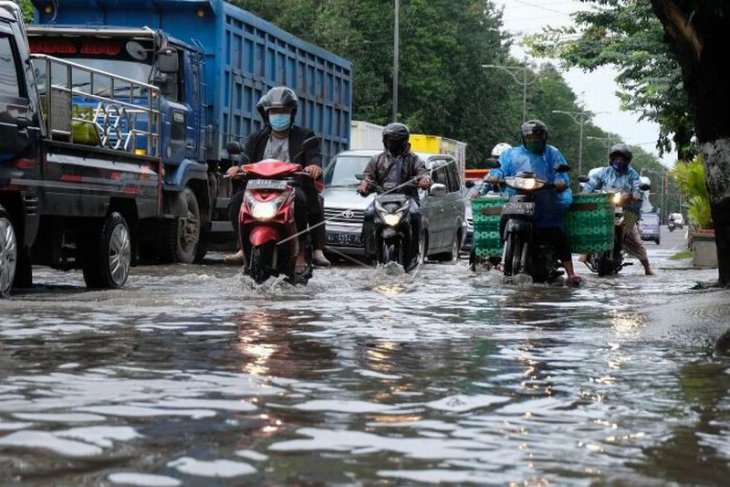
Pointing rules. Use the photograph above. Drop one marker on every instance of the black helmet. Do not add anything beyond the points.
(278, 97)
(534, 127)
(621, 149)
(395, 138)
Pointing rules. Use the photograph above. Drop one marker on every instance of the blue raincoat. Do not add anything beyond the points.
(607, 177)
(550, 205)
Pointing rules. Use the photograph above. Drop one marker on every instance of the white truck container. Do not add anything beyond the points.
(365, 135)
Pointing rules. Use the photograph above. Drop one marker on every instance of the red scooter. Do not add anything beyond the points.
(267, 227)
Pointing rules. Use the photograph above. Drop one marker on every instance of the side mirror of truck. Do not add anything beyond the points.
(167, 61)
(583, 179)
(562, 168)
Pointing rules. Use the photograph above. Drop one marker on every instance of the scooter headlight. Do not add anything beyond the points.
(264, 210)
(392, 219)
(617, 198)
(527, 184)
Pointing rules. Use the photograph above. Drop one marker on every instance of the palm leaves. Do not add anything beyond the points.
(690, 178)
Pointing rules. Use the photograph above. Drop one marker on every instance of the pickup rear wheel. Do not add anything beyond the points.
(109, 254)
(8, 253)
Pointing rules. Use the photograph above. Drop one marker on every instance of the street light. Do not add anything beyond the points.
(607, 142)
(396, 45)
(581, 122)
(523, 83)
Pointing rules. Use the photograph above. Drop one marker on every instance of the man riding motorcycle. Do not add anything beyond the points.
(535, 155)
(621, 176)
(390, 170)
(280, 139)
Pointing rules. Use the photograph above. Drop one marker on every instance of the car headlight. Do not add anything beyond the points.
(264, 210)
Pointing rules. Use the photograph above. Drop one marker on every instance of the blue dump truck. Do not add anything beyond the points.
(211, 61)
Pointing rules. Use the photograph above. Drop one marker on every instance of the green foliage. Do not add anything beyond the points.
(443, 89)
(27, 9)
(691, 181)
(627, 35)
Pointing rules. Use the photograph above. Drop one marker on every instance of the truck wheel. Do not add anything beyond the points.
(182, 235)
(109, 254)
(188, 229)
(8, 253)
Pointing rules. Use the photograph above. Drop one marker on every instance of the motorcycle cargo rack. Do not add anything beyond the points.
(486, 214)
(589, 223)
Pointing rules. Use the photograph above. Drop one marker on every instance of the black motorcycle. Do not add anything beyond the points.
(610, 262)
(521, 254)
(393, 230)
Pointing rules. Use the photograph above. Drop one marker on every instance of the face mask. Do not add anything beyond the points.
(535, 146)
(396, 147)
(280, 121)
(619, 166)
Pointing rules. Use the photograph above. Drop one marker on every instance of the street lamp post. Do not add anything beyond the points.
(607, 142)
(396, 47)
(579, 118)
(523, 83)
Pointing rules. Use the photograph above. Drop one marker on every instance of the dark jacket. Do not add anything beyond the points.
(256, 145)
(381, 170)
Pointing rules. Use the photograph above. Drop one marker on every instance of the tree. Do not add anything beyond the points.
(696, 32)
(627, 35)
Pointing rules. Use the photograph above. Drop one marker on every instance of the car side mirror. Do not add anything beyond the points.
(468, 184)
(563, 168)
(438, 190)
(645, 187)
(583, 179)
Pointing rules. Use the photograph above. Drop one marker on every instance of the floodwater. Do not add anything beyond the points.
(193, 376)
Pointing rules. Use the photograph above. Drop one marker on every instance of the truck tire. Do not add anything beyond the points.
(8, 253)
(181, 237)
(109, 254)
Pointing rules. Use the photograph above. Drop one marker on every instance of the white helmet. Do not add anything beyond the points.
(499, 148)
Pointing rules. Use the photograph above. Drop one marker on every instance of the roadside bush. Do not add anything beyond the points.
(690, 179)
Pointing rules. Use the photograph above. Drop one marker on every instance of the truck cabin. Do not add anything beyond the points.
(143, 55)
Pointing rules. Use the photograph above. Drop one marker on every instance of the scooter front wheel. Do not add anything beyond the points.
(261, 257)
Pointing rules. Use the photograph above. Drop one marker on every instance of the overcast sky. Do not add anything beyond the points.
(598, 88)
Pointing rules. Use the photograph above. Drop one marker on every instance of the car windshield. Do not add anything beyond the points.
(341, 172)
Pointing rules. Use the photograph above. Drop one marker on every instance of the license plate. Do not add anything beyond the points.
(267, 184)
(518, 208)
(343, 239)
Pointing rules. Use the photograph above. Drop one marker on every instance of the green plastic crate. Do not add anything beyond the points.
(590, 223)
(486, 213)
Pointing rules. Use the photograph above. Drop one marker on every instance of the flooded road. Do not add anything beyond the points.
(192, 376)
